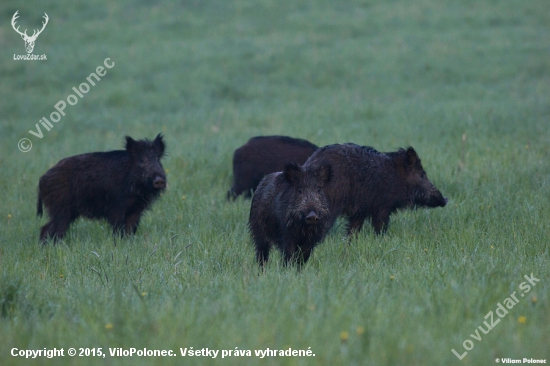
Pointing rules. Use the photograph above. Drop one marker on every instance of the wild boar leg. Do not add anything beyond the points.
(262, 251)
(380, 222)
(354, 225)
(132, 222)
(289, 252)
(57, 227)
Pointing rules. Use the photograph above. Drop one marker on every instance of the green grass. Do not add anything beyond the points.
(466, 83)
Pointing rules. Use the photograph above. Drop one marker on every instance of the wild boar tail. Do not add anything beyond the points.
(39, 206)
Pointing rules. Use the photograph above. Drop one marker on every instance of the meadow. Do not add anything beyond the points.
(466, 83)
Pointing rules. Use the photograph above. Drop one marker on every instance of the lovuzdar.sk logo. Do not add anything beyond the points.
(29, 40)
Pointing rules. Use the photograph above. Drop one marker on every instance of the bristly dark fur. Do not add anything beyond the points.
(263, 155)
(289, 210)
(116, 185)
(368, 183)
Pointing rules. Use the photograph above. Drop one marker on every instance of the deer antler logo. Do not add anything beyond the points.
(29, 41)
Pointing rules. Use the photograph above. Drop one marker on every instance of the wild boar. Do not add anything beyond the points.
(290, 210)
(116, 185)
(263, 155)
(367, 183)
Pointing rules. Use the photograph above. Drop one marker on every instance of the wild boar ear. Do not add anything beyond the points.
(160, 146)
(292, 173)
(325, 173)
(411, 157)
(130, 144)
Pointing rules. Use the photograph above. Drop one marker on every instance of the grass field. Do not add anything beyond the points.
(466, 83)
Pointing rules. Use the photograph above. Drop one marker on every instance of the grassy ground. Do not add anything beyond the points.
(466, 83)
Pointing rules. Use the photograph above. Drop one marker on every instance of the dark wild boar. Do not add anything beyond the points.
(368, 183)
(116, 185)
(290, 210)
(263, 155)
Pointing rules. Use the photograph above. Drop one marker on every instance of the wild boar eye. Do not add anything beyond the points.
(299, 190)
